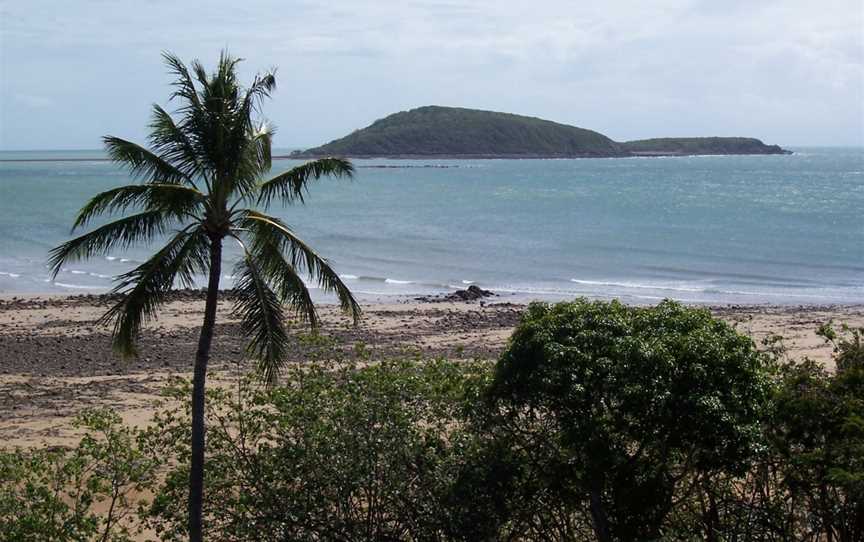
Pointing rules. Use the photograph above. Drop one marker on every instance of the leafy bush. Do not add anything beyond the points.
(807, 480)
(612, 408)
(817, 437)
(848, 345)
(338, 454)
(52, 494)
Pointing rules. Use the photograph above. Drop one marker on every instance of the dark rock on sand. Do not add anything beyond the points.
(472, 293)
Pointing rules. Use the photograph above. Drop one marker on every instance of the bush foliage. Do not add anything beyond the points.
(54, 494)
(636, 402)
(339, 454)
(599, 422)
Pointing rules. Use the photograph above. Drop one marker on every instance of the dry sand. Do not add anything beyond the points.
(55, 359)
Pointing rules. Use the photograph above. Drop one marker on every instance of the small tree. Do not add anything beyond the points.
(623, 404)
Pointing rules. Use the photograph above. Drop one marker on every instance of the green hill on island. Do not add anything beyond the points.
(470, 133)
(700, 145)
(454, 131)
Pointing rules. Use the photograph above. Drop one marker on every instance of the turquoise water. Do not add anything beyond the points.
(708, 229)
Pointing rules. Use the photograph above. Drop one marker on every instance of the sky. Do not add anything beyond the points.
(788, 72)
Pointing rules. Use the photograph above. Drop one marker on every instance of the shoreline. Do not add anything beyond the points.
(509, 298)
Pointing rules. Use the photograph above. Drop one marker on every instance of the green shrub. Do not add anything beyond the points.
(337, 454)
(807, 480)
(51, 494)
(848, 345)
(817, 436)
(612, 409)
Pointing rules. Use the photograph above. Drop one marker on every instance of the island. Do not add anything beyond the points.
(455, 132)
(690, 146)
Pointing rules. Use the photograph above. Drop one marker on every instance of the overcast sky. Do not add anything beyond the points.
(788, 72)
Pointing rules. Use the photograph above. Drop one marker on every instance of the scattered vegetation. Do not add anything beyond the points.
(599, 422)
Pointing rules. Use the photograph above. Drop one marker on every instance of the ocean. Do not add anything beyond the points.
(702, 229)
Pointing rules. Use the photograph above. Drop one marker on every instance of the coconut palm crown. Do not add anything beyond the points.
(201, 184)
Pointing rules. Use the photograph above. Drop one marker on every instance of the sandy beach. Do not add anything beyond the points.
(55, 359)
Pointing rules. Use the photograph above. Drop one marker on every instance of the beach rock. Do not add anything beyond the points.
(470, 294)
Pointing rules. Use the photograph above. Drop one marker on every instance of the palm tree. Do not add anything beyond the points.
(200, 185)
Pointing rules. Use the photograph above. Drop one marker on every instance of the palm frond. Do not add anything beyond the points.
(121, 233)
(252, 162)
(286, 280)
(261, 148)
(259, 310)
(246, 147)
(184, 85)
(292, 185)
(175, 143)
(216, 136)
(260, 88)
(171, 199)
(211, 122)
(270, 235)
(243, 128)
(192, 135)
(144, 288)
(200, 73)
(142, 163)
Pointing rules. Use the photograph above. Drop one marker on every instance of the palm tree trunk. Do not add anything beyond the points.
(599, 517)
(202, 356)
